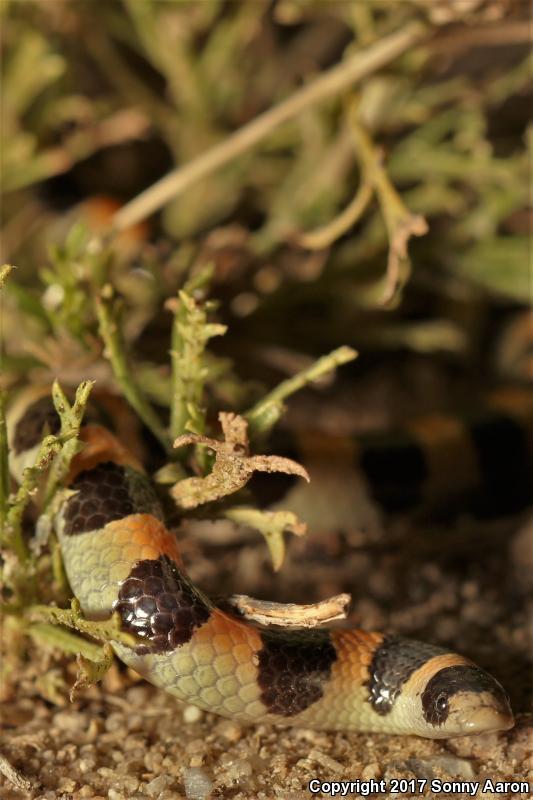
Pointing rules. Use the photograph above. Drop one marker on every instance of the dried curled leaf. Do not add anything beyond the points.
(233, 466)
(401, 229)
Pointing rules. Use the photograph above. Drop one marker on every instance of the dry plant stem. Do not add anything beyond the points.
(291, 615)
(401, 224)
(323, 237)
(110, 334)
(327, 85)
(325, 364)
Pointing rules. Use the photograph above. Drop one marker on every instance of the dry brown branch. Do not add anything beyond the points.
(401, 224)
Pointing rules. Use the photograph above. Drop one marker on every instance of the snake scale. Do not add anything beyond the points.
(120, 556)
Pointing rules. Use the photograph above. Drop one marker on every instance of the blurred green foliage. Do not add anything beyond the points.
(105, 96)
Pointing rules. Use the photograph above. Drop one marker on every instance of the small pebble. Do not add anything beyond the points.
(229, 730)
(459, 767)
(135, 722)
(130, 784)
(106, 772)
(198, 785)
(170, 794)
(137, 696)
(158, 785)
(371, 772)
(325, 761)
(196, 746)
(66, 784)
(153, 760)
(237, 770)
(68, 721)
(114, 722)
(192, 714)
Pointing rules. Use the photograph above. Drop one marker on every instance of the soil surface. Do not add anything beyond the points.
(463, 585)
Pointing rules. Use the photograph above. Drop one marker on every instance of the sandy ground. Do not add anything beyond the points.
(465, 585)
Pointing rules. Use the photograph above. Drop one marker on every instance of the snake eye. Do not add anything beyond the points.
(441, 703)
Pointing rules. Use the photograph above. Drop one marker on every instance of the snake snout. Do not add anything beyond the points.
(487, 717)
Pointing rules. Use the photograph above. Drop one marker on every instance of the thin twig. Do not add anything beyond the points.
(324, 236)
(327, 85)
(401, 224)
(258, 415)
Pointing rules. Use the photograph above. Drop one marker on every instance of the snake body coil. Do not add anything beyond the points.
(120, 556)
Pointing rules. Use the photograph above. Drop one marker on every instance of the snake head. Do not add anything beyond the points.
(416, 687)
(462, 699)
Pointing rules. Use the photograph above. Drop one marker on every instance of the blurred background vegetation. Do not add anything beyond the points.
(101, 98)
